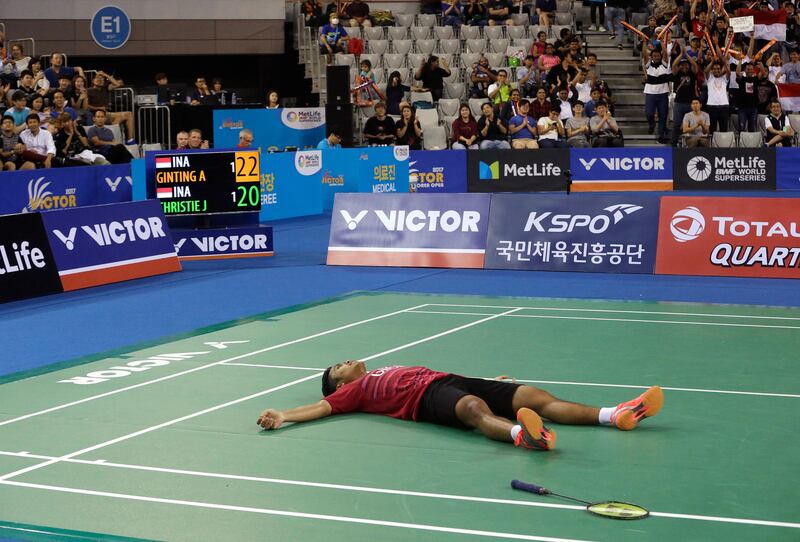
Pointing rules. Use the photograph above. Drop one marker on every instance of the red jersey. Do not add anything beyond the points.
(394, 391)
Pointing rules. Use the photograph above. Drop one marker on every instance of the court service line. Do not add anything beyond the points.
(384, 491)
(620, 311)
(551, 317)
(202, 367)
(562, 382)
(268, 511)
(241, 399)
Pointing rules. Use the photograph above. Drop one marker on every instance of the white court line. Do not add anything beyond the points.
(620, 311)
(551, 317)
(563, 382)
(268, 511)
(200, 368)
(383, 491)
(241, 399)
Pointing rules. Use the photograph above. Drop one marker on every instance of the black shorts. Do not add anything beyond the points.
(438, 403)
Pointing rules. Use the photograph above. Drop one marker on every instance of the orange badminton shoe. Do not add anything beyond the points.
(628, 415)
(534, 435)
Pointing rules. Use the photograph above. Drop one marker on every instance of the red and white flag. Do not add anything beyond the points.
(789, 96)
(768, 25)
(162, 162)
(164, 192)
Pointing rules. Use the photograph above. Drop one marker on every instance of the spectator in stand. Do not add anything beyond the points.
(577, 127)
(80, 99)
(312, 13)
(273, 100)
(409, 131)
(551, 131)
(72, 145)
(332, 38)
(791, 70)
(39, 146)
(717, 104)
(589, 109)
(500, 91)
(366, 94)
(649, 31)
(562, 103)
(779, 132)
(482, 77)
(767, 91)
(200, 92)
(380, 128)
(8, 79)
(475, 14)
(605, 131)
(499, 12)
(696, 126)
(615, 13)
(526, 77)
(719, 33)
(492, 130)
(539, 47)
(548, 60)
(102, 141)
(196, 140)
(590, 63)
(523, 128)
(575, 50)
(60, 106)
(432, 76)
(39, 80)
(100, 99)
(395, 93)
(774, 67)
(699, 19)
(430, 7)
(64, 86)
(582, 86)
(333, 141)
(540, 107)
(663, 10)
(37, 106)
(545, 11)
(747, 97)
(657, 77)
(792, 25)
(19, 112)
(358, 13)
(465, 129)
(182, 141)
(245, 139)
(595, 6)
(562, 74)
(684, 84)
(510, 108)
(18, 59)
(25, 84)
(11, 148)
(57, 69)
(452, 13)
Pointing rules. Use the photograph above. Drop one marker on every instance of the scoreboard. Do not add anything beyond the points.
(208, 182)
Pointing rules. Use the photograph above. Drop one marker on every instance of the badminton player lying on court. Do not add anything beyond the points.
(424, 395)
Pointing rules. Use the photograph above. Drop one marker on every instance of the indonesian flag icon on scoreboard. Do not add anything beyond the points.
(164, 192)
(163, 161)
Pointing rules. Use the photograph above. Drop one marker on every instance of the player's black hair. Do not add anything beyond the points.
(328, 385)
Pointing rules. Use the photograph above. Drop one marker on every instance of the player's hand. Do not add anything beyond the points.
(271, 419)
(505, 377)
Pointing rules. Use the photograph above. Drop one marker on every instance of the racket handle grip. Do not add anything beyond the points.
(531, 488)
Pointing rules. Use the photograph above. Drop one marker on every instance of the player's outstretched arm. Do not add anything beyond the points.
(273, 419)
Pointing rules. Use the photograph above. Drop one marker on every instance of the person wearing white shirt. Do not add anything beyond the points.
(657, 77)
(38, 141)
(551, 130)
(718, 104)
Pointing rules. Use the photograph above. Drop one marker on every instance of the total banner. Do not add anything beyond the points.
(724, 169)
(62, 188)
(736, 237)
(223, 244)
(410, 230)
(788, 174)
(611, 169)
(515, 171)
(273, 129)
(27, 268)
(596, 233)
(285, 191)
(110, 243)
(438, 171)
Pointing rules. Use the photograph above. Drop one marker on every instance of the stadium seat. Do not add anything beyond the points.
(470, 32)
(426, 19)
(563, 6)
(405, 75)
(394, 60)
(434, 138)
(134, 150)
(794, 122)
(374, 33)
(427, 118)
(517, 32)
(493, 32)
(496, 60)
(447, 124)
(723, 140)
(564, 19)
(354, 32)
(426, 46)
(117, 131)
(374, 59)
(475, 106)
(448, 107)
(152, 147)
(380, 74)
(451, 46)
(499, 45)
(415, 60)
(533, 31)
(404, 19)
(455, 90)
(420, 32)
(443, 32)
(469, 59)
(523, 43)
(520, 19)
(751, 140)
(398, 32)
(343, 59)
(378, 47)
(402, 47)
(421, 97)
(555, 30)
(639, 19)
(477, 45)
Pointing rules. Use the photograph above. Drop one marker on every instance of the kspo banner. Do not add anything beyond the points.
(515, 171)
(608, 169)
(223, 244)
(110, 243)
(27, 268)
(610, 234)
(724, 169)
(438, 171)
(740, 237)
(419, 230)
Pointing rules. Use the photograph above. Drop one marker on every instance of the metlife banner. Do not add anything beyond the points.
(273, 129)
(608, 234)
(27, 268)
(223, 244)
(730, 237)
(443, 171)
(110, 243)
(517, 171)
(724, 169)
(610, 169)
(409, 230)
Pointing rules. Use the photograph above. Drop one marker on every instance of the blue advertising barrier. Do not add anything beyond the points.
(273, 129)
(60, 188)
(110, 243)
(419, 230)
(597, 233)
(222, 244)
(438, 171)
(285, 191)
(788, 169)
(605, 169)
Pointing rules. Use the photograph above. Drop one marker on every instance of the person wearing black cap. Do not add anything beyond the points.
(684, 73)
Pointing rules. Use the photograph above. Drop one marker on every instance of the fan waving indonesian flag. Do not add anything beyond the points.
(769, 25)
(789, 96)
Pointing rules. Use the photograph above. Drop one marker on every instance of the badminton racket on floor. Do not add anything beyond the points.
(607, 509)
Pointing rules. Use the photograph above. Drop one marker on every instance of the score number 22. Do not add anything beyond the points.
(245, 167)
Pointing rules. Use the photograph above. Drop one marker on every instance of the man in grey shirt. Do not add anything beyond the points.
(577, 127)
(696, 125)
(791, 69)
(605, 132)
